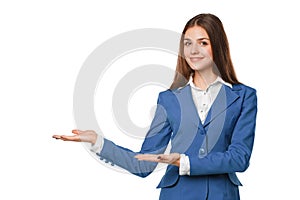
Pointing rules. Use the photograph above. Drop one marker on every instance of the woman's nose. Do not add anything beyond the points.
(195, 49)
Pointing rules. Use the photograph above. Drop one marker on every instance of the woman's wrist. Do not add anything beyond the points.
(177, 163)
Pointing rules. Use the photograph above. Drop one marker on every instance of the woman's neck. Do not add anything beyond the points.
(203, 79)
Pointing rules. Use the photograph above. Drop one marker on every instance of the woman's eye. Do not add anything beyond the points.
(203, 43)
(187, 43)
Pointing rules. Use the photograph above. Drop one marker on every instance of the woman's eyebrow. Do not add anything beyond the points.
(203, 39)
(197, 39)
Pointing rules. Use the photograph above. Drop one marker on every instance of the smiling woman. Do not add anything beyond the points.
(204, 39)
(197, 49)
(207, 115)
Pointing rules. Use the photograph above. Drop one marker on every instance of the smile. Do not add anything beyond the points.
(196, 59)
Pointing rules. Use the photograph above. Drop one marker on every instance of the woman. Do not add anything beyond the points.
(207, 116)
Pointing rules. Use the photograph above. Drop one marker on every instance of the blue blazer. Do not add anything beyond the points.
(218, 148)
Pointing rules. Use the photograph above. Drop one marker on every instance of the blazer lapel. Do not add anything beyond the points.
(224, 99)
(189, 124)
(189, 116)
(187, 105)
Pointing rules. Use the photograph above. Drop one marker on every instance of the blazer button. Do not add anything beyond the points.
(202, 151)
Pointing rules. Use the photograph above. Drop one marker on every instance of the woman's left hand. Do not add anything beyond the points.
(173, 158)
(89, 136)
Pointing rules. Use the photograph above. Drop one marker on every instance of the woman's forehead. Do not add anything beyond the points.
(195, 32)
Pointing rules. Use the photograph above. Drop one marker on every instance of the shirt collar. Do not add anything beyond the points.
(218, 80)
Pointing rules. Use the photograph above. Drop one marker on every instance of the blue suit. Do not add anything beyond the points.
(218, 148)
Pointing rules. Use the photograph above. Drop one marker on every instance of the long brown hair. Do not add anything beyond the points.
(220, 50)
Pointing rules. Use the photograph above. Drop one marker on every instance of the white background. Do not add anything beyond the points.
(43, 46)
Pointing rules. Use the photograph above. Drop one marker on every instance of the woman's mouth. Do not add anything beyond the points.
(196, 59)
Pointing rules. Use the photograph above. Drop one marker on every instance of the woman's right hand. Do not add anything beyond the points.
(89, 136)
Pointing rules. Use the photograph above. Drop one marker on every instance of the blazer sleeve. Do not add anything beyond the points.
(155, 142)
(237, 156)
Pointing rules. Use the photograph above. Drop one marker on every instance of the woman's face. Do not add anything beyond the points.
(197, 49)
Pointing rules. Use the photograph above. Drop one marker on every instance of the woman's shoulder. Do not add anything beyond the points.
(172, 92)
(169, 95)
(166, 93)
(244, 90)
(242, 86)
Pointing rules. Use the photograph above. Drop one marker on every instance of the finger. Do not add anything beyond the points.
(139, 156)
(146, 157)
(149, 160)
(73, 138)
(163, 157)
(56, 137)
(76, 131)
(142, 156)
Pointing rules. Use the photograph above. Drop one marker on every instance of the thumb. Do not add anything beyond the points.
(76, 131)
